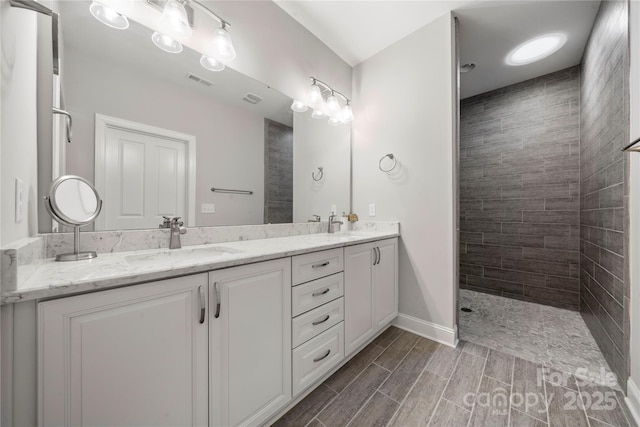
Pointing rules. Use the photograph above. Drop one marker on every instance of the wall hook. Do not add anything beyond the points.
(320, 174)
(390, 156)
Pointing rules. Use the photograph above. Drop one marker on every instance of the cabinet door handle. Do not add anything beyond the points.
(203, 308)
(216, 290)
(379, 255)
(323, 264)
(317, 322)
(317, 294)
(376, 255)
(324, 356)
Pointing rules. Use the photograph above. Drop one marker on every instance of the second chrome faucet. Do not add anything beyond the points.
(176, 229)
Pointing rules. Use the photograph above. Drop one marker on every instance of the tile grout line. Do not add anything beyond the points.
(478, 389)
(513, 370)
(444, 389)
(388, 376)
(411, 388)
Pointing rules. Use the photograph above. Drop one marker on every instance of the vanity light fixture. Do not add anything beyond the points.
(322, 108)
(299, 106)
(174, 26)
(108, 16)
(211, 64)
(535, 49)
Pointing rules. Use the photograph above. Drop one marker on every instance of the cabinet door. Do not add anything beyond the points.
(123, 357)
(358, 295)
(250, 342)
(385, 283)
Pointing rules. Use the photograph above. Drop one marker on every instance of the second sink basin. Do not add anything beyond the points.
(178, 255)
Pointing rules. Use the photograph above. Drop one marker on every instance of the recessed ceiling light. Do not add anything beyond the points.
(536, 49)
(465, 68)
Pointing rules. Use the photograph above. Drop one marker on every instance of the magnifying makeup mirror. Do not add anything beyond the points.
(73, 201)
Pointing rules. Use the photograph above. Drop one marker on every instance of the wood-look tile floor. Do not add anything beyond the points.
(402, 379)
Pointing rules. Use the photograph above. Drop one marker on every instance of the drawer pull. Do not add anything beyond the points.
(317, 322)
(317, 294)
(324, 264)
(317, 359)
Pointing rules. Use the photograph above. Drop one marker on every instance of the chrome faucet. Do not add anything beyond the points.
(316, 218)
(332, 222)
(177, 229)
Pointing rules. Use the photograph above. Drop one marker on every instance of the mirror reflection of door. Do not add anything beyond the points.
(278, 173)
(144, 175)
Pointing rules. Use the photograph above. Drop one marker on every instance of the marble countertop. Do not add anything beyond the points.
(53, 279)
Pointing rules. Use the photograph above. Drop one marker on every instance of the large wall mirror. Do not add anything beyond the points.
(156, 132)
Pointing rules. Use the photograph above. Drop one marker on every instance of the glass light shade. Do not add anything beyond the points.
(174, 20)
(211, 64)
(318, 114)
(166, 43)
(299, 106)
(346, 114)
(536, 49)
(333, 121)
(314, 95)
(222, 46)
(108, 16)
(333, 105)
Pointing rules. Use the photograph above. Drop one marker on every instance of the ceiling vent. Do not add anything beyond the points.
(198, 79)
(252, 98)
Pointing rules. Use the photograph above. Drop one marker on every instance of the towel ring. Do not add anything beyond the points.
(320, 173)
(392, 157)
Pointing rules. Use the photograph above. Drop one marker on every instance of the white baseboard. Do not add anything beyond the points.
(633, 400)
(432, 331)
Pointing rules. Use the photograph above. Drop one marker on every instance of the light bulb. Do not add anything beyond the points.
(211, 63)
(318, 114)
(314, 95)
(346, 114)
(333, 121)
(222, 46)
(174, 20)
(166, 43)
(108, 16)
(333, 105)
(299, 106)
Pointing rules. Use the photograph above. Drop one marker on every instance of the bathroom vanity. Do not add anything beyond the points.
(235, 335)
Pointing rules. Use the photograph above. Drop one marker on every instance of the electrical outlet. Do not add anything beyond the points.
(208, 208)
(19, 200)
(372, 209)
(333, 209)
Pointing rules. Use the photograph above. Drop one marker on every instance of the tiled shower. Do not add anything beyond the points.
(543, 186)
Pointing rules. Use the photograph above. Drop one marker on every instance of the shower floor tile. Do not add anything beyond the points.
(554, 337)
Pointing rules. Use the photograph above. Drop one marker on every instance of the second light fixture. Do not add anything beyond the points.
(329, 107)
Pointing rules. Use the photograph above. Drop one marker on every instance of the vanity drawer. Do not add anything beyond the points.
(308, 325)
(316, 357)
(317, 264)
(313, 294)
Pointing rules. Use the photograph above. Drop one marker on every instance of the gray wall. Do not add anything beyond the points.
(519, 204)
(604, 286)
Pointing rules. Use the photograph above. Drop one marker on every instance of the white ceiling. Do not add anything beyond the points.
(357, 30)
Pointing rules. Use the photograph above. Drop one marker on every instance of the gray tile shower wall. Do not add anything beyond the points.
(604, 125)
(519, 190)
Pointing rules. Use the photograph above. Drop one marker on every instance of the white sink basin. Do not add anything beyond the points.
(178, 255)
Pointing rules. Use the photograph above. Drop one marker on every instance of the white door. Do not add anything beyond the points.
(142, 174)
(135, 356)
(358, 295)
(250, 343)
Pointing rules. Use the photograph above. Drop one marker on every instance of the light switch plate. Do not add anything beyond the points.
(208, 208)
(19, 200)
(372, 209)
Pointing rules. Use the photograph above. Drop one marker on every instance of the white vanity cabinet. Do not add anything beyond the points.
(250, 342)
(127, 356)
(371, 290)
